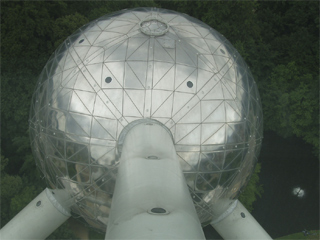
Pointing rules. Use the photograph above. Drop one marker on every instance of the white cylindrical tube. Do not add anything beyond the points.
(37, 220)
(151, 198)
(239, 224)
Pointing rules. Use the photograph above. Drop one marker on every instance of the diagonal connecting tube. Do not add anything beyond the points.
(151, 198)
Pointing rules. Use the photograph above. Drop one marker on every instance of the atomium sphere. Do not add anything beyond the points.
(138, 64)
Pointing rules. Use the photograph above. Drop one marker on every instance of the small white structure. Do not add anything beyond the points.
(299, 192)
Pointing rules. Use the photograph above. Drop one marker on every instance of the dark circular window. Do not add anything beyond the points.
(222, 51)
(38, 203)
(158, 210)
(189, 84)
(81, 41)
(243, 215)
(152, 157)
(108, 80)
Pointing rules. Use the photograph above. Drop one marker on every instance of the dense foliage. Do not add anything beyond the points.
(278, 40)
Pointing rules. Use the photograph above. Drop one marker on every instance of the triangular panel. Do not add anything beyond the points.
(227, 93)
(233, 159)
(98, 152)
(137, 97)
(166, 82)
(180, 100)
(232, 114)
(208, 108)
(182, 130)
(193, 116)
(92, 74)
(119, 54)
(140, 53)
(76, 105)
(117, 70)
(69, 62)
(160, 70)
(101, 109)
(203, 78)
(192, 80)
(184, 165)
(212, 44)
(213, 133)
(82, 51)
(82, 84)
(69, 78)
(205, 65)
(131, 80)
(192, 138)
(129, 107)
(161, 103)
(97, 131)
(191, 30)
(203, 31)
(87, 98)
(183, 58)
(207, 163)
(215, 93)
(189, 160)
(160, 53)
(72, 126)
(107, 37)
(108, 79)
(182, 73)
(220, 62)
(91, 36)
(139, 68)
(84, 121)
(115, 97)
(63, 99)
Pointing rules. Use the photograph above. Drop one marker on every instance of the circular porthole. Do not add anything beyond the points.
(158, 211)
(81, 41)
(152, 157)
(108, 80)
(189, 84)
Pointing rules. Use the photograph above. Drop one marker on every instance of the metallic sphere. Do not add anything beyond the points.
(137, 64)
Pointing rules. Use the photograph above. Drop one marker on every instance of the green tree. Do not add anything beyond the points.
(290, 103)
(253, 190)
(10, 186)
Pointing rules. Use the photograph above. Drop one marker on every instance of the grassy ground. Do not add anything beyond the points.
(314, 235)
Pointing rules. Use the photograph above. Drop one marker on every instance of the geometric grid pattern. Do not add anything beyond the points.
(112, 72)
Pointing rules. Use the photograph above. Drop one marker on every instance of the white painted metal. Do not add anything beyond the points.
(240, 224)
(37, 220)
(150, 177)
(137, 64)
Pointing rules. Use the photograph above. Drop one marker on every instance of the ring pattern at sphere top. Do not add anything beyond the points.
(153, 27)
(137, 64)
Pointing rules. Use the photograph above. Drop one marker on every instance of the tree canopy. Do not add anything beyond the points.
(278, 40)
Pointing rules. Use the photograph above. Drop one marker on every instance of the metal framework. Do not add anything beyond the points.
(146, 65)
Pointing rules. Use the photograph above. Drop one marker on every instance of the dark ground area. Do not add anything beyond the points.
(286, 164)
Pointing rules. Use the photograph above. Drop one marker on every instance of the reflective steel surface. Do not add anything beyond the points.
(137, 64)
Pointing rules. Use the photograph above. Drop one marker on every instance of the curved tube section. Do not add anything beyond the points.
(37, 220)
(239, 224)
(151, 198)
